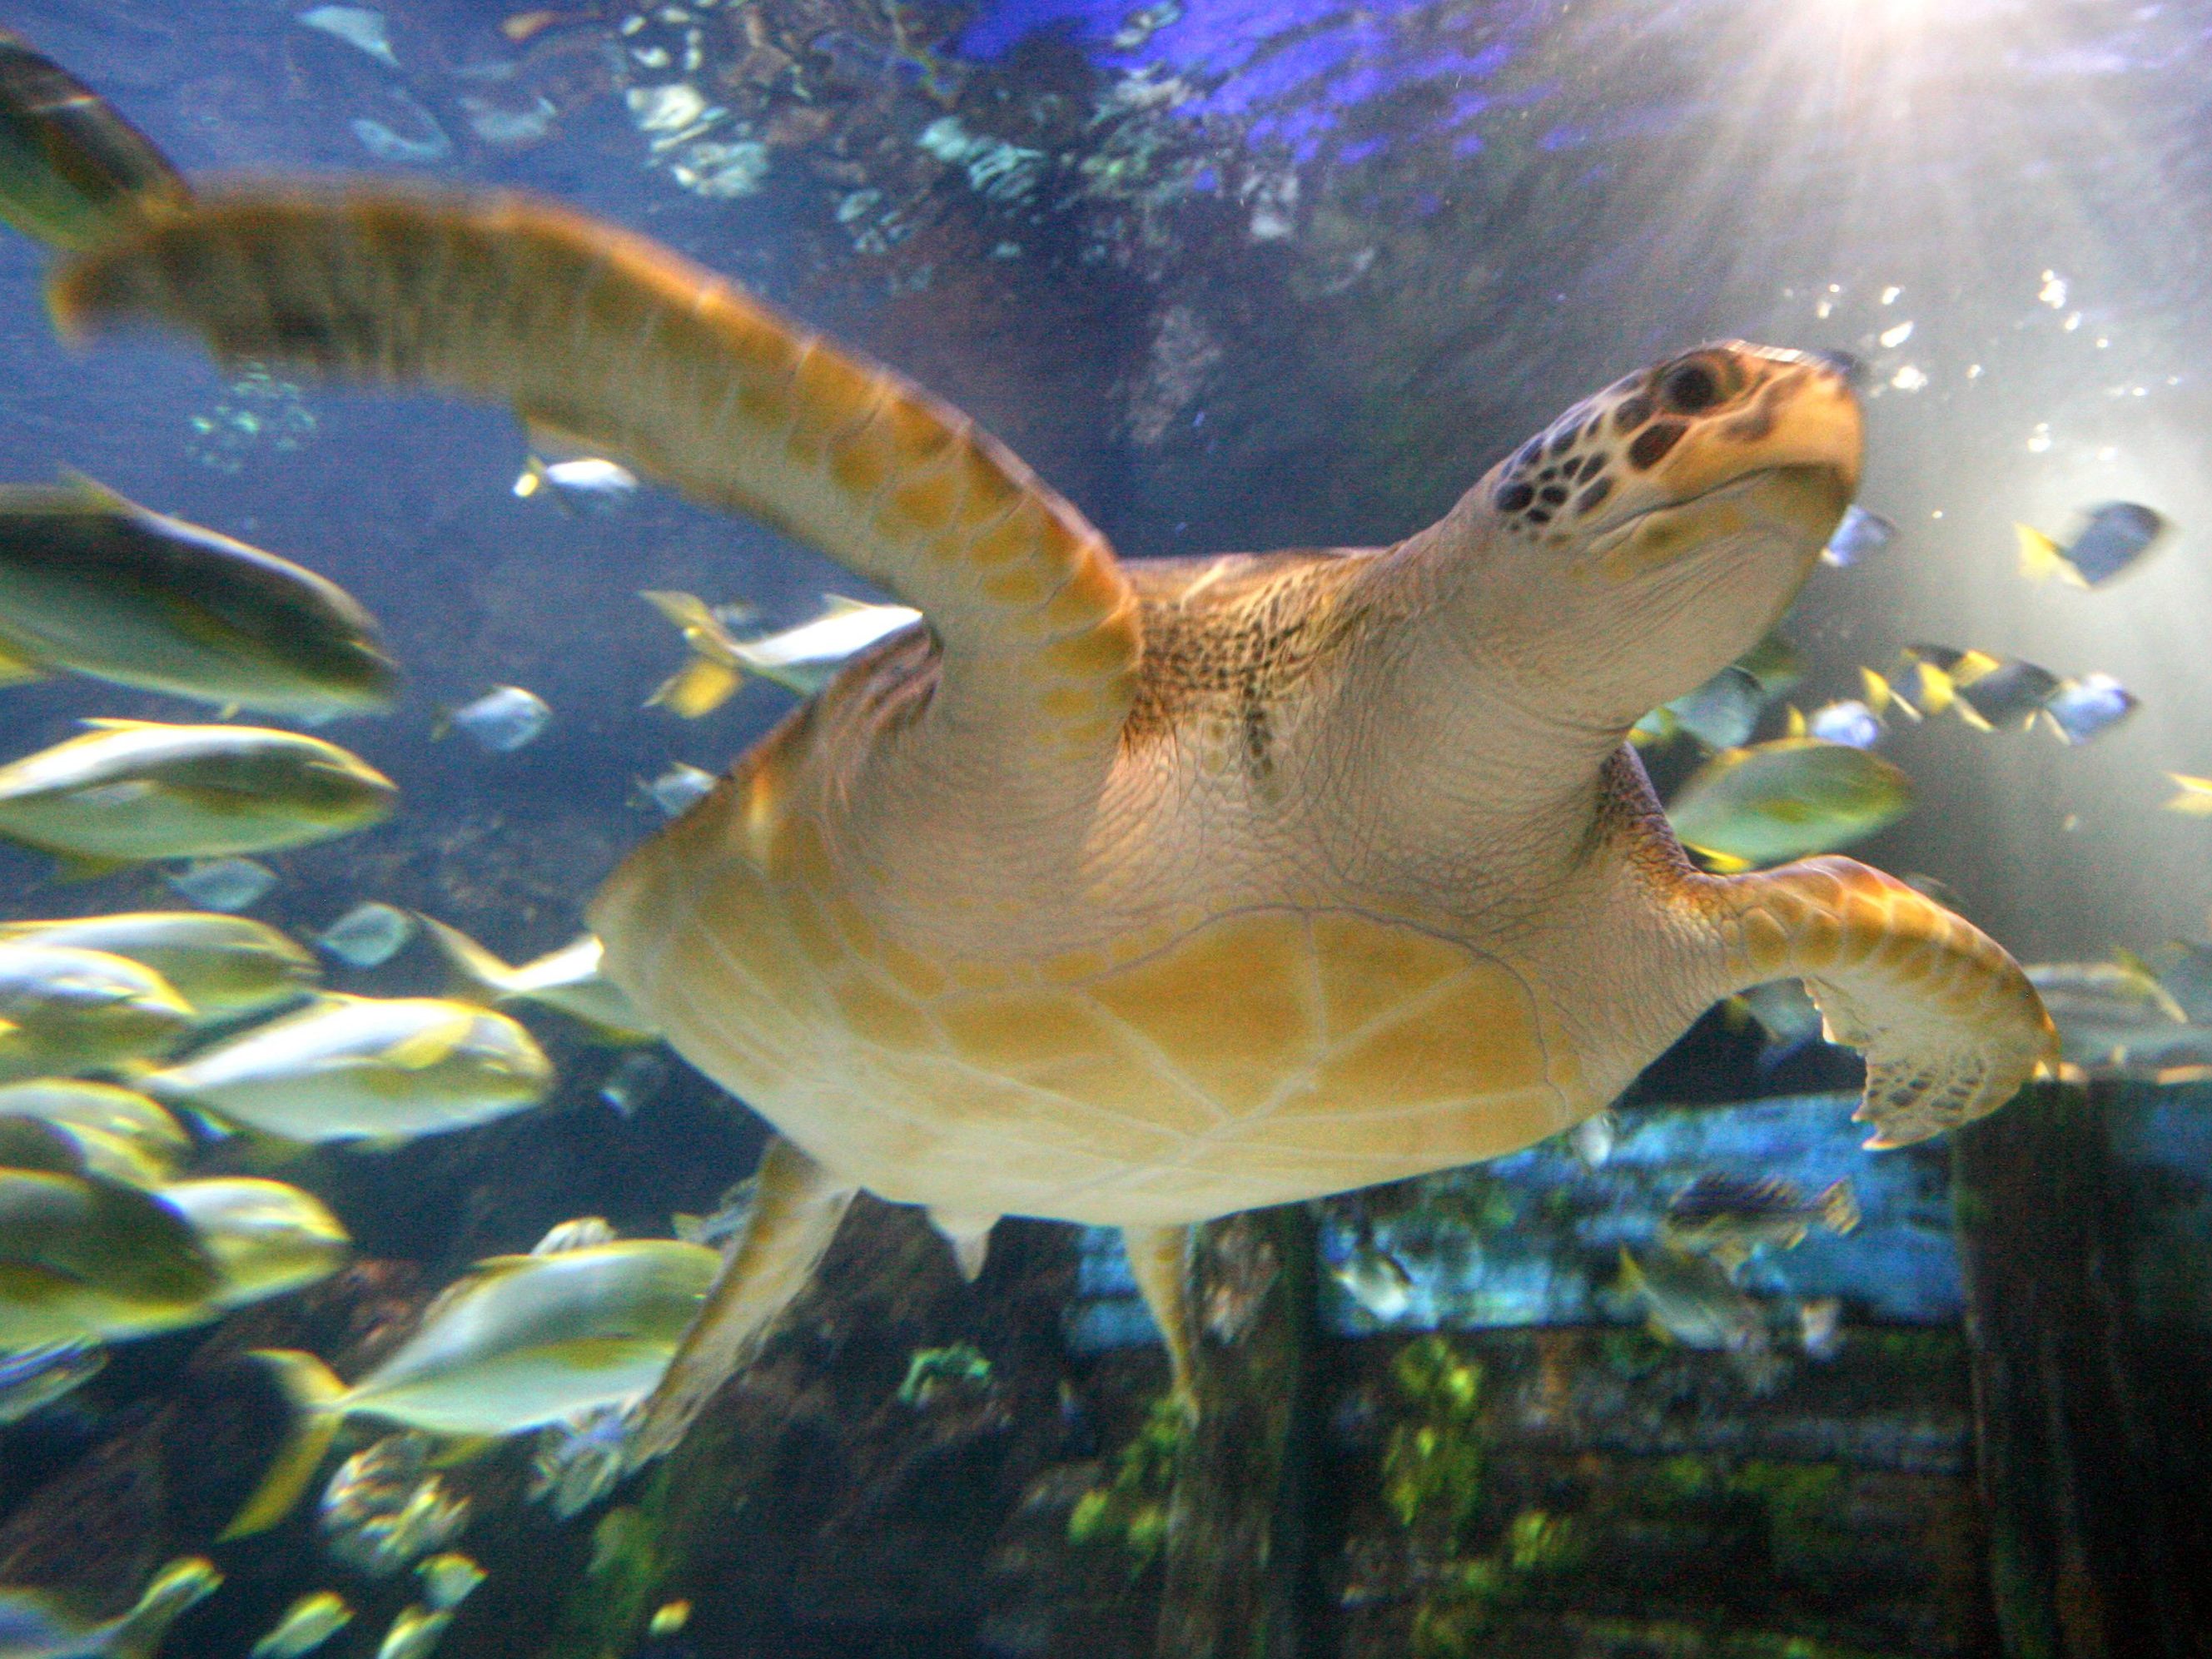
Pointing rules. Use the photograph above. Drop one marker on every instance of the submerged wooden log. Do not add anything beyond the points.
(2081, 1559)
(1234, 1586)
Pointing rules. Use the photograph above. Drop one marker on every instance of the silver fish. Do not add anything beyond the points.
(357, 26)
(225, 884)
(502, 721)
(589, 482)
(368, 935)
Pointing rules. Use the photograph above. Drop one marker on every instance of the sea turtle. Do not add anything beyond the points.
(1139, 892)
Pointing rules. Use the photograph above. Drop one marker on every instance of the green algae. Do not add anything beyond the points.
(1130, 1512)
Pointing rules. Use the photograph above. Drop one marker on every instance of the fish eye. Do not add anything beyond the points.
(1689, 387)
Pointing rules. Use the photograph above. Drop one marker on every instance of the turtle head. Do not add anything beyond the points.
(1654, 532)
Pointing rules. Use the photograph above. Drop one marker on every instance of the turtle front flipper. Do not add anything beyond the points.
(797, 1207)
(1949, 1025)
(611, 339)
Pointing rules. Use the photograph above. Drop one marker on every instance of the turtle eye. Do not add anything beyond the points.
(1689, 388)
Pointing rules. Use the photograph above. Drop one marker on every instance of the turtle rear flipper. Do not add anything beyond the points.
(1949, 1024)
(797, 1207)
(607, 337)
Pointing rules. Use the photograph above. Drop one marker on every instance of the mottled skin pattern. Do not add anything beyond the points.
(1142, 893)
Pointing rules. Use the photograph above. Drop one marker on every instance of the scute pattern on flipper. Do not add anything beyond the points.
(1949, 1025)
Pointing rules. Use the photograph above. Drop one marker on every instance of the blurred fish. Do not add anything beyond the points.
(414, 1634)
(306, 1625)
(1726, 1217)
(730, 1215)
(37, 1377)
(634, 1078)
(138, 1133)
(1724, 711)
(1774, 663)
(1850, 722)
(368, 935)
(568, 980)
(1821, 1327)
(579, 1459)
(132, 790)
(668, 1618)
(86, 1259)
(2010, 694)
(589, 482)
(2117, 1017)
(802, 658)
(1785, 799)
(2195, 800)
(382, 1509)
(1375, 1278)
(1882, 697)
(519, 1342)
(1860, 533)
(1592, 1139)
(2080, 708)
(364, 1068)
(266, 1238)
(676, 790)
(579, 1233)
(1786, 1014)
(2115, 535)
(357, 26)
(1688, 1299)
(64, 1011)
(224, 966)
(502, 721)
(448, 1580)
(72, 171)
(35, 1625)
(91, 583)
(226, 885)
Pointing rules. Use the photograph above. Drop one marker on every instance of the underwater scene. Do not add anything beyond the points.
(1056, 829)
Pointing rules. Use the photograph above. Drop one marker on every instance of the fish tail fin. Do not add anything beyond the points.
(315, 1393)
(698, 688)
(479, 976)
(1796, 727)
(530, 479)
(1839, 1208)
(172, 1589)
(707, 680)
(2040, 558)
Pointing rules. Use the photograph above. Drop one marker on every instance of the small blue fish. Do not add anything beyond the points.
(368, 935)
(227, 884)
(2117, 535)
(1724, 711)
(2080, 708)
(1849, 721)
(1860, 534)
(503, 719)
(633, 1080)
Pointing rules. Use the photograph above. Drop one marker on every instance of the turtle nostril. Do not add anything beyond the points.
(1688, 388)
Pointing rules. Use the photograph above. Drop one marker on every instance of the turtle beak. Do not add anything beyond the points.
(1740, 409)
(1738, 438)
